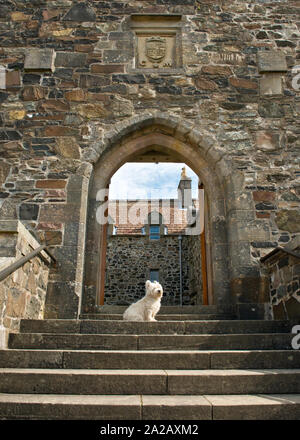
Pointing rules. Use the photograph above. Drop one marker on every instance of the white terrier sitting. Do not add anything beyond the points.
(146, 308)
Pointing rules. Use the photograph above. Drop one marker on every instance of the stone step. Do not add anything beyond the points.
(178, 310)
(69, 407)
(139, 407)
(161, 317)
(261, 341)
(254, 407)
(159, 359)
(148, 382)
(166, 327)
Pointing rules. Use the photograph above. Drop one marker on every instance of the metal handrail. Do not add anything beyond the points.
(277, 249)
(19, 263)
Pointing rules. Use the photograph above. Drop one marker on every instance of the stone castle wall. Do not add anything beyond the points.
(70, 76)
(23, 293)
(283, 267)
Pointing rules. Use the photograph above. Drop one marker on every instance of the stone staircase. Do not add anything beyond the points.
(195, 363)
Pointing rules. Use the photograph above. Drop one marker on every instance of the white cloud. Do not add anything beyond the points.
(149, 180)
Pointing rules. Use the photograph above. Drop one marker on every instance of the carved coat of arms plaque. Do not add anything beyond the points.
(158, 41)
(155, 49)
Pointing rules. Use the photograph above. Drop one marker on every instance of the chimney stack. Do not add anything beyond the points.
(184, 190)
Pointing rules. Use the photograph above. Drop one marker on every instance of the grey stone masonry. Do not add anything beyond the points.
(129, 261)
(283, 266)
(23, 293)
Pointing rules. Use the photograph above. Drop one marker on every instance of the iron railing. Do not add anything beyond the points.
(19, 263)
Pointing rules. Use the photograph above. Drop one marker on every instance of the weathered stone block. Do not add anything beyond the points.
(53, 238)
(68, 147)
(59, 130)
(129, 79)
(39, 59)
(271, 61)
(70, 59)
(54, 105)
(28, 211)
(76, 95)
(20, 16)
(264, 196)
(267, 140)
(16, 303)
(122, 107)
(232, 105)
(13, 79)
(217, 70)
(288, 220)
(205, 84)
(271, 84)
(52, 183)
(93, 81)
(271, 110)
(56, 212)
(243, 83)
(80, 12)
(4, 172)
(33, 93)
(117, 56)
(91, 111)
(107, 68)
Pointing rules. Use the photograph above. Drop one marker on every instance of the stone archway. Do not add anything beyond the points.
(199, 151)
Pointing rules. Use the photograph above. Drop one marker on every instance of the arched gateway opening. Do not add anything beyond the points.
(181, 143)
(155, 232)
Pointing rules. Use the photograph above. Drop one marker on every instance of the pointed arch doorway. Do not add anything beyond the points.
(142, 141)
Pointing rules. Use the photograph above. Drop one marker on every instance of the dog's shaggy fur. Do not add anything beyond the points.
(146, 308)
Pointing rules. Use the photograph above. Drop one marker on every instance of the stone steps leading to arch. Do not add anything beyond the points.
(172, 369)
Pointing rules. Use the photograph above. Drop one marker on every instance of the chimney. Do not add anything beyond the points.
(184, 190)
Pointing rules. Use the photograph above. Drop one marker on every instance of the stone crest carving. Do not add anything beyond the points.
(155, 49)
(158, 44)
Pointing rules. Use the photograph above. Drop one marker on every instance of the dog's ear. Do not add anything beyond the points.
(148, 283)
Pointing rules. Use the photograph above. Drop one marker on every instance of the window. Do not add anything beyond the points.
(143, 230)
(154, 232)
(154, 275)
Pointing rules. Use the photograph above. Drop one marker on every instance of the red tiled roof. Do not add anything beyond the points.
(129, 217)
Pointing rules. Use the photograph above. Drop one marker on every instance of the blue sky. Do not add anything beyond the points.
(149, 180)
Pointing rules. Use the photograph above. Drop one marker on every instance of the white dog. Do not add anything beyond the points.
(146, 308)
